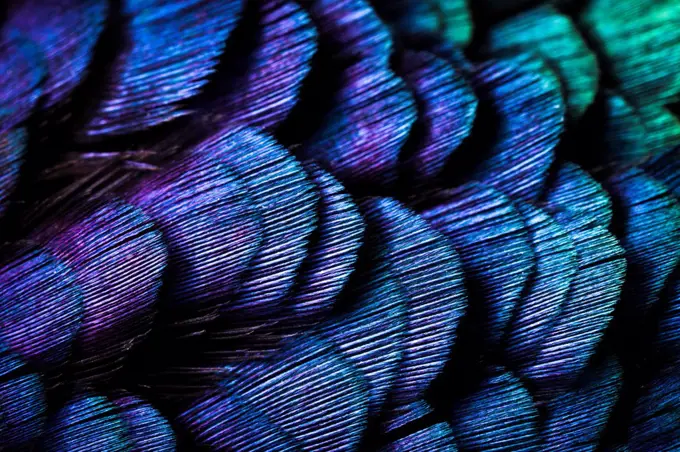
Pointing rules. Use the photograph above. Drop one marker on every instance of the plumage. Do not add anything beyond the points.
(413, 18)
(360, 139)
(86, 422)
(372, 335)
(177, 45)
(12, 153)
(437, 437)
(554, 37)
(146, 429)
(639, 42)
(446, 112)
(528, 110)
(588, 310)
(429, 271)
(499, 415)
(118, 258)
(41, 305)
(308, 390)
(333, 252)
(576, 419)
(23, 406)
(223, 422)
(205, 215)
(284, 198)
(22, 70)
(548, 286)
(656, 417)
(574, 192)
(649, 222)
(66, 31)
(490, 236)
(352, 28)
(263, 92)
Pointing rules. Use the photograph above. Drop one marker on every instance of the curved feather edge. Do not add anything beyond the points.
(146, 429)
(268, 88)
(499, 415)
(588, 310)
(86, 422)
(575, 192)
(649, 221)
(548, 287)
(353, 29)
(485, 227)
(437, 437)
(286, 201)
(333, 252)
(167, 55)
(212, 231)
(310, 391)
(554, 37)
(360, 139)
(576, 419)
(41, 305)
(23, 404)
(372, 336)
(66, 31)
(118, 258)
(431, 275)
(529, 109)
(447, 107)
(225, 422)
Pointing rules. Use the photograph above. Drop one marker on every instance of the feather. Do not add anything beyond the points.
(553, 36)
(574, 192)
(576, 419)
(118, 259)
(66, 31)
(530, 112)
(656, 417)
(41, 305)
(86, 422)
(285, 200)
(546, 293)
(22, 403)
(372, 335)
(624, 131)
(430, 274)
(447, 108)
(22, 71)
(309, 391)
(353, 29)
(639, 43)
(437, 437)
(221, 422)
(146, 429)
(666, 169)
(263, 92)
(486, 230)
(593, 294)
(449, 18)
(499, 415)
(205, 215)
(168, 51)
(361, 137)
(332, 255)
(650, 235)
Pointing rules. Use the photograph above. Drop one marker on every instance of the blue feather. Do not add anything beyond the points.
(490, 236)
(530, 112)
